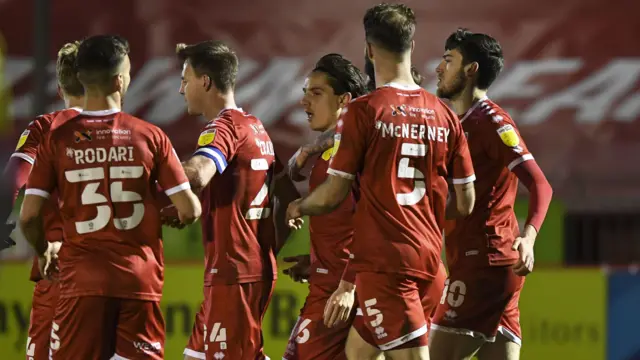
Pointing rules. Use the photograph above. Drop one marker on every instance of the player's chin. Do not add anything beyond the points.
(443, 93)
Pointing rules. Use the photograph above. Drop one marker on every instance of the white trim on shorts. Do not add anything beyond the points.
(194, 354)
(466, 332)
(118, 357)
(510, 335)
(404, 339)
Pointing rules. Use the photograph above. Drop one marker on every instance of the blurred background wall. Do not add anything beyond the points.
(570, 83)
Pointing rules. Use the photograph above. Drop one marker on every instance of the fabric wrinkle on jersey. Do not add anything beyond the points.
(27, 149)
(485, 237)
(109, 159)
(237, 225)
(401, 132)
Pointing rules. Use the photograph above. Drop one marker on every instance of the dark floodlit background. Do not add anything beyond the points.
(571, 84)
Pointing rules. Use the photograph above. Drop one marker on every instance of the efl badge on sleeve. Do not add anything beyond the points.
(327, 154)
(509, 136)
(23, 139)
(206, 137)
(336, 145)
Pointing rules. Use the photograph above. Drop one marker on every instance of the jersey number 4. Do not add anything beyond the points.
(90, 196)
(407, 172)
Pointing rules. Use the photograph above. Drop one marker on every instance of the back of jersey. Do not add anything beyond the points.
(405, 143)
(237, 224)
(105, 165)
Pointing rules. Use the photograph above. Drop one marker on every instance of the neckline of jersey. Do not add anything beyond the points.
(75, 108)
(100, 112)
(402, 87)
(231, 108)
(475, 105)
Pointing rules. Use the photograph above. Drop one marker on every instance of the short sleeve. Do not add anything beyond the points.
(218, 142)
(350, 145)
(30, 140)
(42, 180)
(171, 176)
(461, 166)
(504, 143)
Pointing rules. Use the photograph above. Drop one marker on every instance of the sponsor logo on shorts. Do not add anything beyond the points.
(143, 346)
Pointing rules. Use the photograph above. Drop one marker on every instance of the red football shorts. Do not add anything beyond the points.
(233, 319)
(45, 297)
(481, 302)
(429, 293)
(310, 338)
(195, 347)
(96, 327)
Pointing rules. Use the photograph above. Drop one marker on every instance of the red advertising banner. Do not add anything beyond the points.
(571, 81)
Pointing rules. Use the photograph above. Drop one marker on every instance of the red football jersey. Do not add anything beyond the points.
(404, 142)
(330, 234)
(485, 237)
(104, 165)
(27, 150)
(236, 218)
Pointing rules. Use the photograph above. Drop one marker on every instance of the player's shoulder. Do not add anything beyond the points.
(136, 124)
(489, 114)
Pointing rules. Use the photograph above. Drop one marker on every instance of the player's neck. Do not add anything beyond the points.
(219, 103)
(73, 102)
(393, 72)
(466, 99)
(97, 102)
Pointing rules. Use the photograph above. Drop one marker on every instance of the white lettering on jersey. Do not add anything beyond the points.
(101, 155)
(413, 131)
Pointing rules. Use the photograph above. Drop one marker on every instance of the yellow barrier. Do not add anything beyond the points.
(563, 312)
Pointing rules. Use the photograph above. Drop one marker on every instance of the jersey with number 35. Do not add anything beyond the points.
(237, 219)
(104, 165)
(404, 142)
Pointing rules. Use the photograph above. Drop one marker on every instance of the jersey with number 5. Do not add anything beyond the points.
(237, 224)
(104, 165)
(404, 142)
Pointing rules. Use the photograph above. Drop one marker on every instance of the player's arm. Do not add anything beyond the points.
(284, 193)
(298, 161)
(540, 193)
(172, 177)
(41, 183)
(216, 145)
(464, 194)
(16, 173)
(199, 169)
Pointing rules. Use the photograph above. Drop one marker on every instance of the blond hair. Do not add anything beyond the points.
(66, 69)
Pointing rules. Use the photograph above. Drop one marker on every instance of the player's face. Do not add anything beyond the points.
(320, 103)
(192, 89)
(451, 75)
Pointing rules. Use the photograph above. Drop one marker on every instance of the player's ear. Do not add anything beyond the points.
(119, 82)
(344, 99)
(472, 69)
(413, 45)
(368, 51)
(206, 82)
(60, 92)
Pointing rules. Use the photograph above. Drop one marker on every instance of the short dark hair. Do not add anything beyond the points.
(66, 69)
(390, 26)
(342, 75)
(214, 59)
(480, 48)
(99, 58)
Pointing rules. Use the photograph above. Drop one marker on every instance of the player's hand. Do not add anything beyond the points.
(5, 231)
(48, 262)
(300, 271)
(294, 216)
(524, 245)
(169, 217)
(299, 159)
(339, 305)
